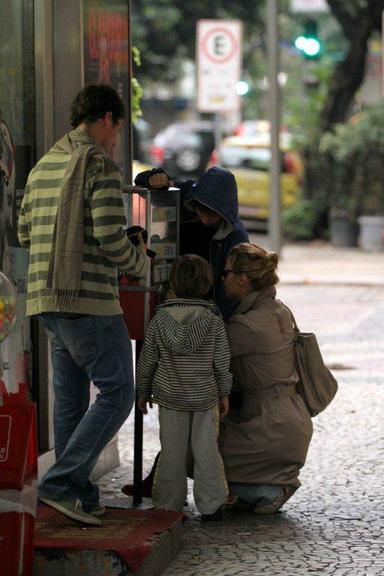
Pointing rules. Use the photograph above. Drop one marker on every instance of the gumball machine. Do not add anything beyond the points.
(158, 213)
(18, 460)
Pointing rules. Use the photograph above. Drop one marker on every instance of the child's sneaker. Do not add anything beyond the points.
(216, 516)
(237, 504)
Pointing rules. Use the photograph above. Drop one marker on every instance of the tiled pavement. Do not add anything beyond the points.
(334, 524)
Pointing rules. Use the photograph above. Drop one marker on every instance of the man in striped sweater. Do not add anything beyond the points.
(71, 221)
(184, 368)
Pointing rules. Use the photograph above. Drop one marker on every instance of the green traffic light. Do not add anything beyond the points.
(309, 45)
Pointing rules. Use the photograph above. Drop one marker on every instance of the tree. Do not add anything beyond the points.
(164, 32)
(358, 19)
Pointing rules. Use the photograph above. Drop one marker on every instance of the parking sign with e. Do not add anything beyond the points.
(218, 64)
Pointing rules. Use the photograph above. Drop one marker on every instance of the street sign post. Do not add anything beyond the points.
(218, 51)
(274, 222)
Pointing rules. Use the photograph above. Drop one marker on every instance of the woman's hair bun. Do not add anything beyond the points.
(273, 258)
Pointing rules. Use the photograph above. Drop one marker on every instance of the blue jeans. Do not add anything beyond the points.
(85, 348)
(251, 493)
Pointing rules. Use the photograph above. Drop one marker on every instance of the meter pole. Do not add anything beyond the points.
(138, 425)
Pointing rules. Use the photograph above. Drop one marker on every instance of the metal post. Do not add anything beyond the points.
(138, 424)
(382, 54)
(274, 223)
(137, 445)
(218, 130)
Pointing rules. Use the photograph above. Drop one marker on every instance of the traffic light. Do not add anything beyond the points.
(308, 43)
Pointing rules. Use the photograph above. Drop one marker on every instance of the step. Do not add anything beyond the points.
(140, 542)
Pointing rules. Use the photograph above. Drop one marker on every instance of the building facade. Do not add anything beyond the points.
(49, 49)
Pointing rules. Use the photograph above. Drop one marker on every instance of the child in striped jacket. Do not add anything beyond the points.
(184, 368)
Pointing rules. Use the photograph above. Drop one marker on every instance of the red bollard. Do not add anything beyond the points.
(18, 482)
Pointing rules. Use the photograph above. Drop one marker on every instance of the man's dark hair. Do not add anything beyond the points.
(191, 276)
(93, 102)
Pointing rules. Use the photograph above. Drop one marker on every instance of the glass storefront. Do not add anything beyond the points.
(17, 151)
(49, 49)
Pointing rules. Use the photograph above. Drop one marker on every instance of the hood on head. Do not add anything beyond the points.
(185, 334)
(217, 189)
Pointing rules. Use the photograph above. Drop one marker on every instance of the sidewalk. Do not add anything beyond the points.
(334, 524)
(320, 263)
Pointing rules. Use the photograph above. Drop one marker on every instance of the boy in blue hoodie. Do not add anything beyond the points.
(216, 227)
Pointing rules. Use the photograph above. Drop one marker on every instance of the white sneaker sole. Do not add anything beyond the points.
(78, 515)
(99, 512)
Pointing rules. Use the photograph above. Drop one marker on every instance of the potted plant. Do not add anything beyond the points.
(357, 153)
(371, 219)
(343, 226)
(343, 213)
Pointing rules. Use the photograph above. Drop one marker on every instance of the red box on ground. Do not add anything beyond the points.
(18, 474)
(18, 446)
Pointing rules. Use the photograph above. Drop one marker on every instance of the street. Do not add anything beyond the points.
(334, 522)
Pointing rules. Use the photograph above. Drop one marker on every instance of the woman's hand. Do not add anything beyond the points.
(223, 407)
(142, 404)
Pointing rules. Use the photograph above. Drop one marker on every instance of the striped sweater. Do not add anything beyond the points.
(106, 247)
(184, 362)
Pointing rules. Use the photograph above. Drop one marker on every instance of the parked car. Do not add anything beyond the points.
(140, 140)
(183, 149)
(249, 160)
(260, 130)
(138, 167)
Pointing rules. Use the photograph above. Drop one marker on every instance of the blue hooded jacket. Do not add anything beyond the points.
(217, 190)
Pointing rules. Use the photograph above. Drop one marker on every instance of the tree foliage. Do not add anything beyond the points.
(358, 19)
(327, 182)
(357, 151)
(164, 31)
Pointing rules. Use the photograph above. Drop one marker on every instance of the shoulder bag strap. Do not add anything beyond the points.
(297, 330)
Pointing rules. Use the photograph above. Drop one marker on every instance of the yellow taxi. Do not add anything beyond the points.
(248, 158)
(138, 167)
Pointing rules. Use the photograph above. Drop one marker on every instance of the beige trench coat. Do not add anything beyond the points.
(266, 441)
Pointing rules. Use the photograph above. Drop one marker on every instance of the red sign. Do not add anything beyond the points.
(5, 434)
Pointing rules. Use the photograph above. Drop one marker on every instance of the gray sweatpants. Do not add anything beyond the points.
(181, 432)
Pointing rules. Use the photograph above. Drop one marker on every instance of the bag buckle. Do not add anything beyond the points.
(277, 391)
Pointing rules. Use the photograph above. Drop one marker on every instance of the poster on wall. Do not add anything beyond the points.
(7, 186)
(107, 58)
(16, 155)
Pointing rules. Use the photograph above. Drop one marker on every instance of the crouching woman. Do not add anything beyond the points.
(263, 442)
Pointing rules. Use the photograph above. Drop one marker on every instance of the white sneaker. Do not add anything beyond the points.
(72, 509)
(98, 510)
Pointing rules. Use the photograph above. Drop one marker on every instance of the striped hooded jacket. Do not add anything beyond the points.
(184, 362)
(106, 247)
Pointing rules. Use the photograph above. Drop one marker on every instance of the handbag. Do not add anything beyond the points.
(316, 385)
